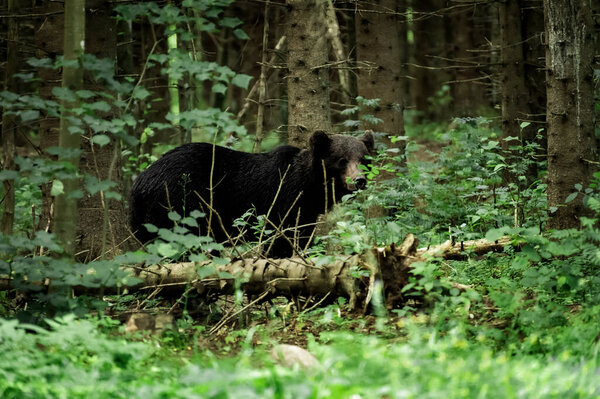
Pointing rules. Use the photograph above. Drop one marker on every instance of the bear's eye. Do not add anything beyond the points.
(341, 163)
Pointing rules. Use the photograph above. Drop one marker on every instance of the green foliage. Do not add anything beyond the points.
(73, 359)
(109, 115)
(460, 192)
(522, 324)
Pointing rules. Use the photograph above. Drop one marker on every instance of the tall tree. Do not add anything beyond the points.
(8, 121)
(378, 42)
(100, 228)
(570, 107)
(467, 91)
(74, 40)
(429, 43)
(534, 68)
(308, 78)
(512, 69)
(49, 43)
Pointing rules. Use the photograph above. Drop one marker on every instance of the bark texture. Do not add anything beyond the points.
(379, 43)
(535, 53)
(66, 206)
(101, 229)
(570, 107)
(467, 91)
(8, 121)
(429, 47)
(308, 78)
(49, 37)
(513, 81)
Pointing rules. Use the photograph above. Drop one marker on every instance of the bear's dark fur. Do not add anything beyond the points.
(241, 181)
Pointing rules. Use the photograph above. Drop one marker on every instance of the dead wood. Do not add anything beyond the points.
(297, 277)
(292, 277)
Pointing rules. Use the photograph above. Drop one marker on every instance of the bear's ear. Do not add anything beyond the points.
(320, 143)
(368, 139)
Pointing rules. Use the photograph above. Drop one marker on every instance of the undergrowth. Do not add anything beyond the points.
(525, 326)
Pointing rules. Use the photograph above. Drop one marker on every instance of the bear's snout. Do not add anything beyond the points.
(360, 183)
(354, 179)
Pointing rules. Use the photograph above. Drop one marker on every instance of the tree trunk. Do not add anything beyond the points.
(429, 43)
(512, 72)
(379, 42)
(515, 103)
(534, 68)
(8, 121)
(66, 206)
(308, 78)
(535, 77)
(101, 228)
(262, 85)
(289, 277)
(339, 53)
(570, 108)
(388, 268)
(467, 91)
(49, 41)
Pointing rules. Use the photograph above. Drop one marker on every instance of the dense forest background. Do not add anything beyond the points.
(485, 115)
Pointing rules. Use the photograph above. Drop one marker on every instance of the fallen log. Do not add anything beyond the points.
(353, 277)
(292, 277)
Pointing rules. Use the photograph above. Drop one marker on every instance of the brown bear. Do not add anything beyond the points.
(288, 185)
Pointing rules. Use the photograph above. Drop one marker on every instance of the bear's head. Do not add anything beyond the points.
(342, 156)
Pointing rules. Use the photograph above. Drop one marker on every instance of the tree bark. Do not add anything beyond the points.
(8, 121)
(570, 107)
(262, 85)
(66, 206)
(101, 229)
(467, 92)
(49, 41)
(308, 78)
(391, 266)
(512, 72)
(429, 43)
(534, 68)
(333, 35)
(379, 42)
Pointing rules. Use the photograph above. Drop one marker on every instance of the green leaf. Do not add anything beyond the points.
(229, 22)
(241, 80)
(219, 88)
(9, 175)
(571, 197)
(495, 234)
(72, 129)
(58, 188)
(189, 222)
(220, 261)
(523, 125)
(140, 93)
(174, 216)
(240, 34)
(113, 195)
(197, 214)
(29, 115)
(75, 194)
(63, 94)
(40, 62)
(101, 139)
(166, 250)
(151, 228)
(101, 106)
(85, 94)
(93, 185)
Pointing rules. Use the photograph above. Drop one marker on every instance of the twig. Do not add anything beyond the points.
(225, 319)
